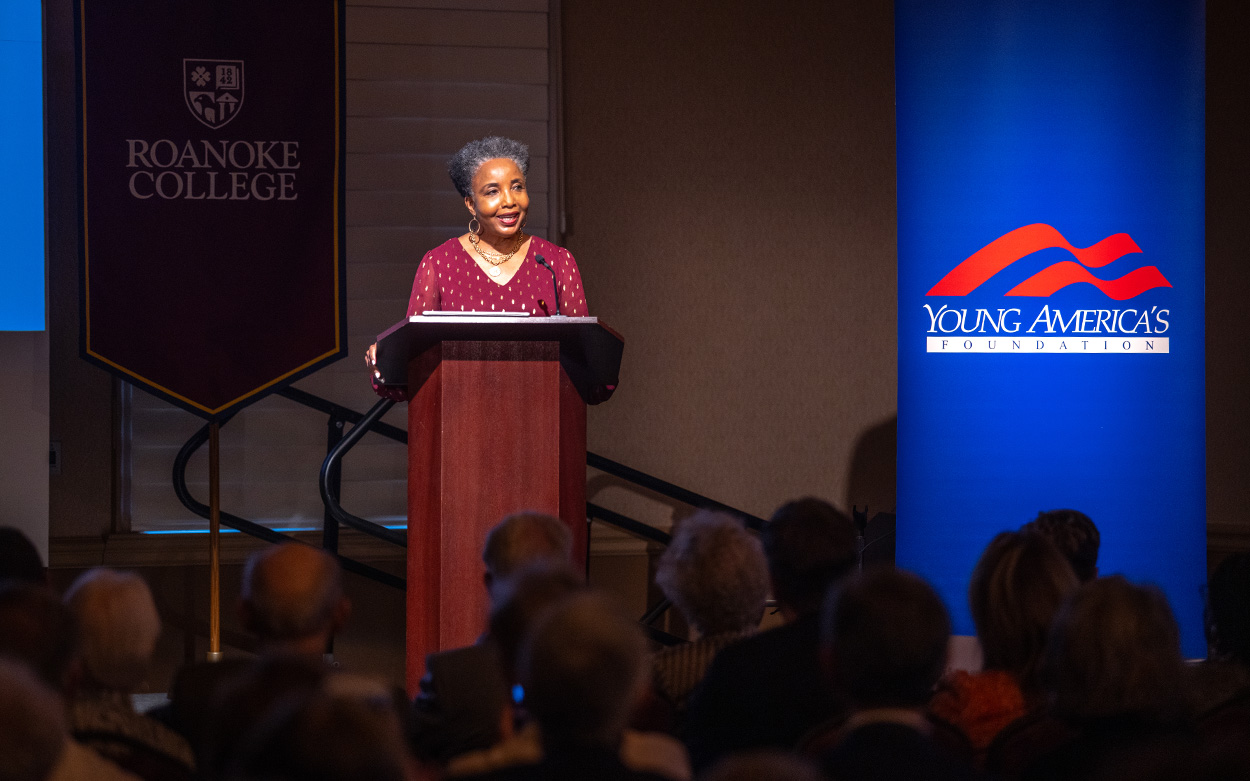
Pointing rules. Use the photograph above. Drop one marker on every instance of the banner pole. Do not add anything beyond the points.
(214, 544)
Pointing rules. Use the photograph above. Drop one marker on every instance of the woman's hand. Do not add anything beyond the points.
(371, 359)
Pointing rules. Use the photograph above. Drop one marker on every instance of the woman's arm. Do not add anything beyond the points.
(424, 297)
(569, 281)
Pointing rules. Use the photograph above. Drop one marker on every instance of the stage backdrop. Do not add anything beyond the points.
(212, 203)
(1050, 229)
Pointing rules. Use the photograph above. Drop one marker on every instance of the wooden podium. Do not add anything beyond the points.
(496, 424)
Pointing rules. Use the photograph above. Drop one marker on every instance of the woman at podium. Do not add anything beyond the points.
(494, 266)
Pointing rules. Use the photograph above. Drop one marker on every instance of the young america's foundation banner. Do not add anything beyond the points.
(212, 194)
(1051, 284)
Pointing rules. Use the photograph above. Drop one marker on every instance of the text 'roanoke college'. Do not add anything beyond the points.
(981, 344)
(213, 170)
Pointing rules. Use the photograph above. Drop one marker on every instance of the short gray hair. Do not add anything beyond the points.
(119, 623)
(464, 164)
(526, 538)
(715, 572)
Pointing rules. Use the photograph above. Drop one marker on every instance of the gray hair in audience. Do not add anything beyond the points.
(291, 590)
(886, 633)
(32, 725)
(1114, 650)
(526, 538)
(582, 667)
(714, 570)
(119, 623)
(463, 165)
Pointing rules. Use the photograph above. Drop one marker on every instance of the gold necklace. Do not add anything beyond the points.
(498, 258)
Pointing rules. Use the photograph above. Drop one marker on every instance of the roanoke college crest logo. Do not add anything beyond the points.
(213, 90)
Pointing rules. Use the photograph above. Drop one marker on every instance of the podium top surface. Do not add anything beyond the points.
(590, 350)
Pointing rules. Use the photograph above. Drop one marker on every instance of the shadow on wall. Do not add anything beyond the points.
(870, 491)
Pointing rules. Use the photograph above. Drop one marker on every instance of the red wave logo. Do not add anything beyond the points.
(1022, 242)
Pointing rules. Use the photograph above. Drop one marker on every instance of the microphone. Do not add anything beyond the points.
(555, 287)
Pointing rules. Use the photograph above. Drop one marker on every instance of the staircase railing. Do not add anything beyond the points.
(339, 443)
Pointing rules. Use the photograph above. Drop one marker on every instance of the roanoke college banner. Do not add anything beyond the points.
(1050, 222)
(212, 194)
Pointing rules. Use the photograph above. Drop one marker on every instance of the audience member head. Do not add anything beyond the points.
(32, 725)
(36, 628)
(1076, 537)
(293, 598)
(1114, 650)
(583, 667)
(119, 627)
(1228, 609)
(523, 599)
(18, 558)
(885, 638)
(714, 570)
(321, 736)
(1017, 587)
(810, 545)
(243, 704)
(764, 765)
(522, 539)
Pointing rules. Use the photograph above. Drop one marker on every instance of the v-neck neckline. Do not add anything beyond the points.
(529, 251)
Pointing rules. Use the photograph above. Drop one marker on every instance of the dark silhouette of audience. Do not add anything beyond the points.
(523, 600)
(40, 634)
(1079, 680)
(463, 696)
(886, 638)
(582, 668)
(292, 600)
(333, 730)
(1018, 585)
(1076, 537)
(766, 691)
(19, 559)
(1115, 676)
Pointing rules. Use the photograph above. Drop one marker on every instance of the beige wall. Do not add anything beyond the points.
(24, 441)
(730, 196)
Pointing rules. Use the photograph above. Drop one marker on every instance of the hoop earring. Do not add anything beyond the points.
(474, 231)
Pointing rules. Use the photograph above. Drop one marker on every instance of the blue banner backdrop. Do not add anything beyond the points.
(1050, 229)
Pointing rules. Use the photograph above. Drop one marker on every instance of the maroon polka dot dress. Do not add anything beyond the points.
(448, 279)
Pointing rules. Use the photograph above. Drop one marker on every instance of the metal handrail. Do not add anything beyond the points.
(327, 483)
(252, 528)
(665, 488)
(340, 412)
(333, 507)
(638, 528)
